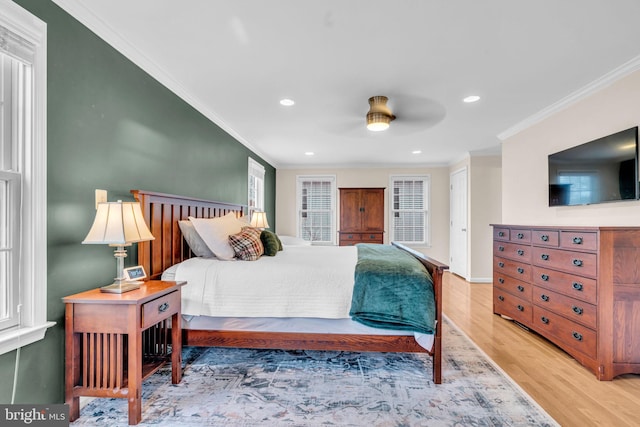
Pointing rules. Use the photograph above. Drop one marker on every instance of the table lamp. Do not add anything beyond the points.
(118, 224)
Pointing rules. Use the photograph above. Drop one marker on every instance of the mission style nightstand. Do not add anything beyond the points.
(114, 341)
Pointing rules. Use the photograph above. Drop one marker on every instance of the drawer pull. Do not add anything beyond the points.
(577, 240)
(520, 308)
(544, 297)
(163, 307)
(500, 248)
(577, 335)
(577, 286)
(544, 277)
(371, 236)
(577, 310)
(545, 320)
(501, 233)
(501, 264)
(520, 270)
(544, 238)
(544, 257)
(521, 288)
(520, 236)
(501, 280)
(577, 262)
(500, 297)
(520, 252)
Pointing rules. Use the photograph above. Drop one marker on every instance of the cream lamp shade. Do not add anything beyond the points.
(119, 224)
(259, 220)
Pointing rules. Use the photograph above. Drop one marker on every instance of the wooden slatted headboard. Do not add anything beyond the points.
(162, 213)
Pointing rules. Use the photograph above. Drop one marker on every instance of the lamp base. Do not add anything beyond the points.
(120, 288)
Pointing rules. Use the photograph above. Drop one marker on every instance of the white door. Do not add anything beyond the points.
(458, 225)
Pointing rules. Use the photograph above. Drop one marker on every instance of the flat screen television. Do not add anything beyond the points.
(599, 171)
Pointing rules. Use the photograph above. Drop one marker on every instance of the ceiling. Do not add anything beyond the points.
(235, 60)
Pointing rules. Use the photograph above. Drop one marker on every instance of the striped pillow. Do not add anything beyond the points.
(247, 245)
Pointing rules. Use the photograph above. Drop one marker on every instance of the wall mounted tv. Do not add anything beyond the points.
(604, 170)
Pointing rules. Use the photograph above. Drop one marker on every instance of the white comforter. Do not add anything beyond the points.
(300, 281)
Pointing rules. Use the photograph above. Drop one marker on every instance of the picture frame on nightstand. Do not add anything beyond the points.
(135, 274)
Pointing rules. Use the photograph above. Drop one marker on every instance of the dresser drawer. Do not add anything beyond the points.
(571, 308)
(578, 240)
(520, 236)
(567, 334)
(160, 309)
(371, 237)
(545, 237)
(582, 288)
(513, 251)
(500, 233)
(581, 263)
(519, 270)
(514, 307)
(516, 287)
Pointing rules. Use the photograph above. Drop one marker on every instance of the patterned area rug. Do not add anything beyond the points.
(238, 387)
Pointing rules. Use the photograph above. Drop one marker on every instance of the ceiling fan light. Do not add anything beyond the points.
(377, 122)
(379, 115)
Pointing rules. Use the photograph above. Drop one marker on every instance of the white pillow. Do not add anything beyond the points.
(293, 241)
(216, 231)
(195, 242)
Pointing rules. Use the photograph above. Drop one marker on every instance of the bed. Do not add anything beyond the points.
(162, 213)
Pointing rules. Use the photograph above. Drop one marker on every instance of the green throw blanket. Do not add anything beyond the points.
(392, 290)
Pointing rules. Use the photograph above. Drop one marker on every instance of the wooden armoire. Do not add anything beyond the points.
(361, 215)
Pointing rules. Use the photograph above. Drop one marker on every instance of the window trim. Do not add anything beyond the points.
(332, 180)
(426, 178)
(257, 171)
(34, 202)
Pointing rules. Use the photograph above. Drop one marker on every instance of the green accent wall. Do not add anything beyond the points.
(110, 126)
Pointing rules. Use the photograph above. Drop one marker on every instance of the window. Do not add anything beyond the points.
(409, 216)
(23, 186)
(584, 187)
(256, 186)
(317, 208)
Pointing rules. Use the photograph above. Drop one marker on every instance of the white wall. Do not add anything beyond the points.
(484, 207)
(485, 180)
(439, 212)
(524, 158)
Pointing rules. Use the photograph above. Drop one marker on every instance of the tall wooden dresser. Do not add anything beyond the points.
(361, 215)
(579, 287)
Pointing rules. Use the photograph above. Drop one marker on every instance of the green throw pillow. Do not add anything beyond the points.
(270, 242)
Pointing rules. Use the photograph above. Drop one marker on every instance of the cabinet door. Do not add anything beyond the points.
(373, 213)
(350, 205)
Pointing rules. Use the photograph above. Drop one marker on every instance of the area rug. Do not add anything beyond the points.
(240, 387)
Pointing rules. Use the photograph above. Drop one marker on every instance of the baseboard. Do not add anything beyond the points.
(481, 280)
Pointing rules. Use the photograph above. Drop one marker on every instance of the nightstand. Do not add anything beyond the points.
(114, 341)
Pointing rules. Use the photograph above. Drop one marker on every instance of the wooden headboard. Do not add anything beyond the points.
(162, 213)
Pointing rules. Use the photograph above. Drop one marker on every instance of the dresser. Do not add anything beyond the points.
(361, 216)
(579, 287)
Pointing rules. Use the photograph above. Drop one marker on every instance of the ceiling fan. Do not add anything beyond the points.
(379, 115)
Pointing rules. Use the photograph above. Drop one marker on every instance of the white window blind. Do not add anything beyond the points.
(316, 208)
(409, 209)
(256, 186)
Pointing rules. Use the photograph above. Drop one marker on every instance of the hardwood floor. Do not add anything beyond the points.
(567, 391)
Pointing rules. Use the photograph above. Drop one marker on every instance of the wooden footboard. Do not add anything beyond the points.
(162, 213)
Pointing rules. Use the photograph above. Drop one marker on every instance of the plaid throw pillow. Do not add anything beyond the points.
(246, 244)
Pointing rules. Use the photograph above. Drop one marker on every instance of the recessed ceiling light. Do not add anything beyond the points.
(309, 153)
(471, 98)
(416, 152)
(287, 102)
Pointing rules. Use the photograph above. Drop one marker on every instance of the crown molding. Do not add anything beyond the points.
(618, 73)
(87, 18)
